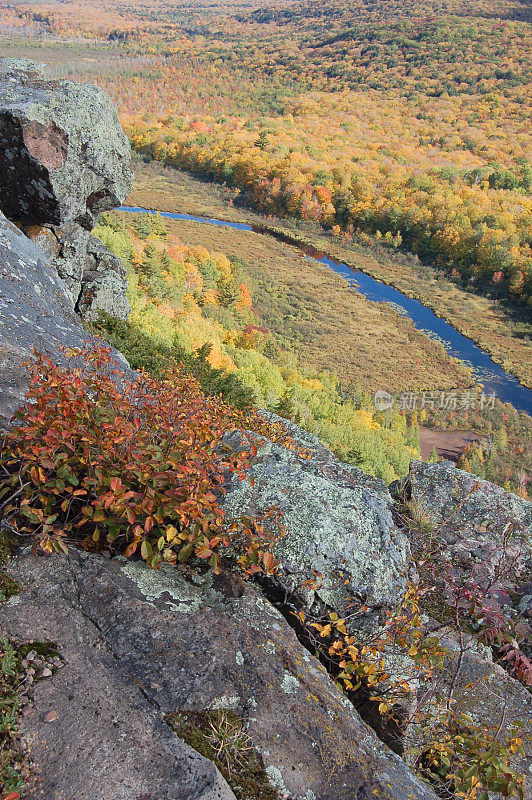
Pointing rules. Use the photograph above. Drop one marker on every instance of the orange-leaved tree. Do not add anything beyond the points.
(127, 465)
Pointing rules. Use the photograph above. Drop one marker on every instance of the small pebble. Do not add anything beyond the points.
(24, 663)
(24, 699)
(27, 710)
(38, 662)
(30, 671)
(31, 655)
(51, 716)
(45, 673)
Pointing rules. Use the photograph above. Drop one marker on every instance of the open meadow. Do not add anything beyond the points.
(501, 330)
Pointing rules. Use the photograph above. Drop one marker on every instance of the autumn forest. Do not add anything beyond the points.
(395, 132)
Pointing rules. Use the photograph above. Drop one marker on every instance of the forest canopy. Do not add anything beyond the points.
(401, 120)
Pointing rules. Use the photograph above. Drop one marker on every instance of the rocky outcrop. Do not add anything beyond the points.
(139, 643)
(480, 528)
(103, 284)
(64, 159)
(486, 693)
(338, 523)
(479, 534)
(105, 739)
(35, 313)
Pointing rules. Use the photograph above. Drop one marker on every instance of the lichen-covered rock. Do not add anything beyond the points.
(325, 461)
(338, 522)
(64, 159)
(64, 155)
(35, 313)
(478, 525)
(174, 640)
(103, 284)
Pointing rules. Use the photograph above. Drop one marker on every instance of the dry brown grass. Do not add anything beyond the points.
(327, 323)
(485, 321)
(312, 310)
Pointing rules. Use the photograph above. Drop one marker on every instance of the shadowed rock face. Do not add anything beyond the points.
(139, 643)
(64, 159)
(35, 313)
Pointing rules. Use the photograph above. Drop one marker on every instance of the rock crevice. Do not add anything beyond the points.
(173, 640)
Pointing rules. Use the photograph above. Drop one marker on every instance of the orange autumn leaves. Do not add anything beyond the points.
(133, 467)
(181, 282)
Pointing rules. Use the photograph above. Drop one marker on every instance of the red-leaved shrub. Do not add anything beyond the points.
(126, 465)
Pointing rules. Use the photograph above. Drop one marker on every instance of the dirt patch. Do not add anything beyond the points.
(448, 444)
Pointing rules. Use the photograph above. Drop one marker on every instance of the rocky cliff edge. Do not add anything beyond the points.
(138, 652)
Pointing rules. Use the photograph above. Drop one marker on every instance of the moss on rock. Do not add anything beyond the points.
(220, 736)
(8, 585)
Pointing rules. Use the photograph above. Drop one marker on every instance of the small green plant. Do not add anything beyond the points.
(229, 740)
(470, 761)
(459, 758)
(10, 779)
(365, 665)
(221, 737)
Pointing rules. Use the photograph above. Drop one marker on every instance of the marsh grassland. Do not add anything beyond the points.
(496, 328)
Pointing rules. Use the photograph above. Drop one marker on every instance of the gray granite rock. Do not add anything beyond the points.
(107, 739)
(476, 523)
(139, 643)
(104, 284)
(338, 521)
(64, 155)
(35, 313)
(64, 159)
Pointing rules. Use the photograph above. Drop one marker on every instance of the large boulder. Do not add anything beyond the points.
(106, 739)
(479, 527)
(338, 522)
(135, 640)
(64, 159)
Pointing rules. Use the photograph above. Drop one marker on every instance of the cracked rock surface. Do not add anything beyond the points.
(338, 522)
(64, 159)
(138, 643)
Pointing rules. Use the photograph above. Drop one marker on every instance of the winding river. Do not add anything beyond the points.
(485, 371)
